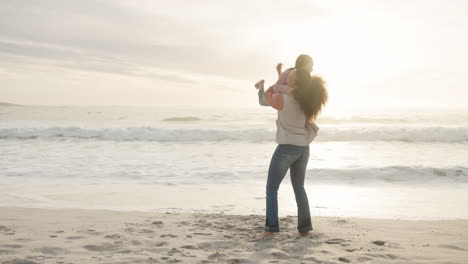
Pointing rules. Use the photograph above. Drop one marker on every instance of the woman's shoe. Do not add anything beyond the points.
(305, 233)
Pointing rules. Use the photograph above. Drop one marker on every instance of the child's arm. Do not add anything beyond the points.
(278, 68)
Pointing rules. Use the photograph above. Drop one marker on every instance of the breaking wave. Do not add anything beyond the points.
(148, 133)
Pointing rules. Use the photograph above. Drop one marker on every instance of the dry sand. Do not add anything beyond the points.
(29, 236)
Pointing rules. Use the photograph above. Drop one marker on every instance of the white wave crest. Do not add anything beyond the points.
(147, 133)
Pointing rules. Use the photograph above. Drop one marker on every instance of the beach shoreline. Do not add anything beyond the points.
(43, 235)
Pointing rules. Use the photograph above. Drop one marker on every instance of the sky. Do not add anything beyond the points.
(375, 53)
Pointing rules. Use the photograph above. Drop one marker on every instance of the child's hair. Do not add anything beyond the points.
(302, 60)
(310, 93)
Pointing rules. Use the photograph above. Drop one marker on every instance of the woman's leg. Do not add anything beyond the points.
(298, 170)
(281, 160)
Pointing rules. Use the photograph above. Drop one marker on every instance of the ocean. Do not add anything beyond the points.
(405, 164)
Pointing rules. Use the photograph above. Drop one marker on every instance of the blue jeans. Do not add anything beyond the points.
(295, 158)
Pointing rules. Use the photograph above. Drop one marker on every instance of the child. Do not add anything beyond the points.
(287, 79)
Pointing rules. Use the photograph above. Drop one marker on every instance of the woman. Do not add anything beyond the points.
(296, 129)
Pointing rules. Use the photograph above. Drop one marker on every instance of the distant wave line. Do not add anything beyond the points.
(148, 133)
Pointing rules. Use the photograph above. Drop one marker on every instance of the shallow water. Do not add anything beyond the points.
(135, 158)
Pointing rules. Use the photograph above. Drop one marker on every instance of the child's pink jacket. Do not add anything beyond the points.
(281, 85)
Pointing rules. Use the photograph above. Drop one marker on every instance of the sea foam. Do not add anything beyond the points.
(149, 133)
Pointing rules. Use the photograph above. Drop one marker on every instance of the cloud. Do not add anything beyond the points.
(204, 37)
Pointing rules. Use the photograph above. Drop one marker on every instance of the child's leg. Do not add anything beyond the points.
(259, 85)
(261, 91)
(261, 100)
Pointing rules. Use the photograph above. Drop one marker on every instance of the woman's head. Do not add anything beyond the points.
(310, 93)
(304, 62)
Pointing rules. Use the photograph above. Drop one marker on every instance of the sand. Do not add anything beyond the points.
(32, 235)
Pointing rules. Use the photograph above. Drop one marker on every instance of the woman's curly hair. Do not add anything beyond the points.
(310, 93)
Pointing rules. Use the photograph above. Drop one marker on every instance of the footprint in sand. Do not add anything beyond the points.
(364, 259)
(345, 260)
(313, 259)
(187, 255)
(102, 247)
(158, 223)
(11, 246)
(146, 231)
(136, 242)
(129, 230)
(23, 239)
(125, 251)
(388, 244)
(237, 261)
(203, 234)
(160, 244)
(379, 242)
(51, 250)
(341, 221)
(218, 244)
(73, 237)
(151, 260)
(383, 256)
(19, 261)
(173, 251)
(113, 236)
(334, 241)
(6, 251)
(189, 247)
(6, 230)
(168, 235)
(184, 223)
(278, 253)
(90, 232)
(217, 255)
(454, 247)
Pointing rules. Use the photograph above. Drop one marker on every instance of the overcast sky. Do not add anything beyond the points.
(211, 52)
